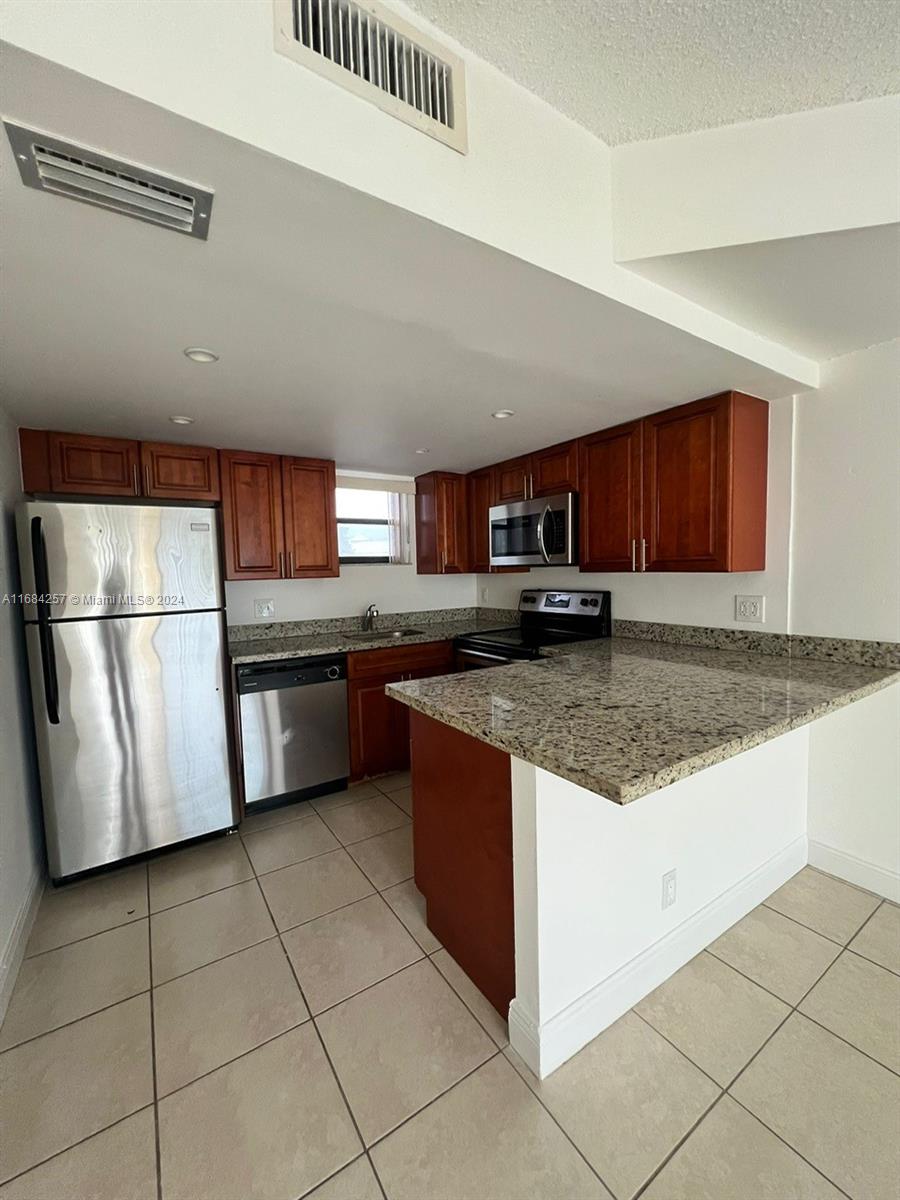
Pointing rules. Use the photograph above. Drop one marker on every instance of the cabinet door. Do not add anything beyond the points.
(442, 535)
(686, 486)
(310, 524)
(379, 728)
(610, 499)
(252, 515)
(480, 486)
(513, 479)
(93, 466)
(452, 523)
(179, 472)
(555, 470)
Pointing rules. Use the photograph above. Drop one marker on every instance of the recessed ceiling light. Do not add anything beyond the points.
(424, 450)
(182, 420)
(502, 413)
(198, 354)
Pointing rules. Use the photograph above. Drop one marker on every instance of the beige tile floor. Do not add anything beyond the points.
(267, 1016)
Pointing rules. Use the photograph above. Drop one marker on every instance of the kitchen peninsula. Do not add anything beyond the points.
(587, 823)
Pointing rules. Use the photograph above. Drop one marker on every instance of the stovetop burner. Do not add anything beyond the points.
(548, 618)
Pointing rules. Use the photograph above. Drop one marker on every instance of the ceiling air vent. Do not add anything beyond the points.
(52, 165)
(370, 51)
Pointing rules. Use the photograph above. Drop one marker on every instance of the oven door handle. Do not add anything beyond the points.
(500, 659)
(548, 512)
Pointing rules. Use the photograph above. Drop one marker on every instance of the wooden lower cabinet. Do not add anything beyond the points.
(462, 841)
(379, 726)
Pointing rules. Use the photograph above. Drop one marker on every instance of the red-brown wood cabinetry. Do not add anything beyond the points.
(704, 485)
(252, 515)
(610, 499)
(310, 524)
(442, 524)
(170, 472)
(379, 726)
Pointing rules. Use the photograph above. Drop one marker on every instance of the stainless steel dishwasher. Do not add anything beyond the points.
(293, 728)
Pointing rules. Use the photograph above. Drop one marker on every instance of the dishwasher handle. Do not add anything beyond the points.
(301, 672)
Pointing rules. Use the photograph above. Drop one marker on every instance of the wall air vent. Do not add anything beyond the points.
(370, 51)
(65, 169)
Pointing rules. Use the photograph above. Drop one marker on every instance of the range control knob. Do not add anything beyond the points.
(333, 672)
(584, 602)
(594, 602)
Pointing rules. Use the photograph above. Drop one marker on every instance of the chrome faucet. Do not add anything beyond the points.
(368, 621)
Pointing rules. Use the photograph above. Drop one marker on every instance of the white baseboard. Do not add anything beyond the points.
(870, 876)
(14, 951)
(547, 1046)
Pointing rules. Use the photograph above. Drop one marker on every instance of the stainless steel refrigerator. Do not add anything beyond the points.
(126, 648)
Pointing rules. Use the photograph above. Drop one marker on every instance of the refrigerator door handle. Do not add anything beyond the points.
(45, 630)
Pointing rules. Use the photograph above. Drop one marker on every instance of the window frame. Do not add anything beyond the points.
(397, 529)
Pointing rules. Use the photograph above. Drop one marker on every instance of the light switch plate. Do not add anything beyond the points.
(750, 608)
(264, 609)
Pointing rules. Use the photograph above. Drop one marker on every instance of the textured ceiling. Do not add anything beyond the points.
(635, 69)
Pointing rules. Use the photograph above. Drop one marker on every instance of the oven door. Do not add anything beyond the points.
(476, 660)
(534, 533)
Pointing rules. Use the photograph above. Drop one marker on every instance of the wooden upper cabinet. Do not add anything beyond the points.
(555, 470)
(310, 523)
(252, 515)
(610, 499)
(93, 466)
(179, 472)
(704, 488)
(442, 533)
(480, 498)
(513, 479)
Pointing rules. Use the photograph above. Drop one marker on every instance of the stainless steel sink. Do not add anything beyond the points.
(384, 635)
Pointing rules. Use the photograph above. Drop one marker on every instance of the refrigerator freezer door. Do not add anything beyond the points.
(139, 757)
(112, 559)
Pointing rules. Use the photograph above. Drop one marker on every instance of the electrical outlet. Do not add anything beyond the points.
(668, 889)
(264, 610)
(750, 608)
(484, 595)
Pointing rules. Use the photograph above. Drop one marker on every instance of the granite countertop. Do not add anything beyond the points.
(338, 642)
(624, 717)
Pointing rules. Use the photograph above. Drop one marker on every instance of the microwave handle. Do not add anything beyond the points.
(548, 511)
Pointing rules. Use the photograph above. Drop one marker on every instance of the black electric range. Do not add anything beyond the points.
(548, 618)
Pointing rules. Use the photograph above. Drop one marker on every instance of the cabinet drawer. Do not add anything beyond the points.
(397, 660)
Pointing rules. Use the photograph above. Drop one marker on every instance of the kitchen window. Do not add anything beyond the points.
(372, 521)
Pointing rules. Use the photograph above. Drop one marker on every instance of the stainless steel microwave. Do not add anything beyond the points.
(535, 533)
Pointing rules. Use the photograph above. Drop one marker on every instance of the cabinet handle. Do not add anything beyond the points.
(137, 485)
(281, 563)
(290, 564)
(442, 560)
(634, 554)
(525, 484)
(147, 480)
(530, 487)
(643, 554)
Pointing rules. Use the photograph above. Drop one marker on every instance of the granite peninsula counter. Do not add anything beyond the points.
(587, 823)
(624, 717)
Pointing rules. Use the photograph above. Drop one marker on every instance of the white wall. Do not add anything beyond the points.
(846, 536)
(534, 183)
(391, 588)
(854, 793)
(21, 844)
(809, 172)
(592, 937)
(689, 599)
